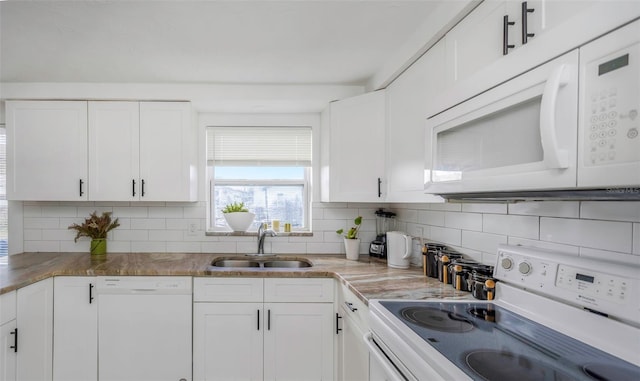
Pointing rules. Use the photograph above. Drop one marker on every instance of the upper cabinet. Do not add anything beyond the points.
(353, 149)
(407, 99)
(47, 150)
(102, 151)
(141, 151)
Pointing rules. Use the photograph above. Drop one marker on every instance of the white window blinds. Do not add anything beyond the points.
(259, 146)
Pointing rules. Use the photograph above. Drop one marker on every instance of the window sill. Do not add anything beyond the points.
(255, 234)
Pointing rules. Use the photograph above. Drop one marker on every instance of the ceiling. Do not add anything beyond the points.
(234, 42)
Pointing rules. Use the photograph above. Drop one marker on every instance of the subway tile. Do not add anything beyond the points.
(445, 235)
(85, 211)
(130, 235)
(430, 217)
(77, 247)
(133, 212)
(517, 226)
(41, 223)
(289, 248)
(568, 209)
(148, 247)
(407, 215)
(32, 234)
(58, 234)
(166, 212)
(41, 246)
(59, 211)
(611, 210)
(317, 213)
(340, 214)
(450, 207)
(494, 208)
(32, 210)
(181, 223)
(610, 256)
(183, 247)
(486, 242)
(465, 221)
(565, 249)
(165, 235)
(148, 223)
(414, 230)
(606, 235)
(118, 246)
(218, 247)
(326, 248)
(195, 212)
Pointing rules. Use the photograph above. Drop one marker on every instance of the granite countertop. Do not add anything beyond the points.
(368, 278)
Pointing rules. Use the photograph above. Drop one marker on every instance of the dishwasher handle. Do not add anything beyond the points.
(380, 358)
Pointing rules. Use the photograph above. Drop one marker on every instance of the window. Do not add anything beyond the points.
(3, 193)
(267, 168)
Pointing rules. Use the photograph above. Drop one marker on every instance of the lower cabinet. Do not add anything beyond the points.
(34, 318)
(352, 352)
(8, 336)
(277, 329)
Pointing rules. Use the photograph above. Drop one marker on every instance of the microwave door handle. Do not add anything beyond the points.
(554, 157)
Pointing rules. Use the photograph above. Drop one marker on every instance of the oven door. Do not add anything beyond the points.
(518, 136)
(383, 364)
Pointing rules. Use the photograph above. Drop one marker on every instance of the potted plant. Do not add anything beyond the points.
(238, 217)
(96, 227)
(351, 240)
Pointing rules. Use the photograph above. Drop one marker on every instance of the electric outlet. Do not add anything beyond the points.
(192, 228)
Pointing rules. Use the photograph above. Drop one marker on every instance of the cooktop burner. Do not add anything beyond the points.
(502, 365)
(437, 319)
(489, 342)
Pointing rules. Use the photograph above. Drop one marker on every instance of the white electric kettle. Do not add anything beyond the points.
(398, 250)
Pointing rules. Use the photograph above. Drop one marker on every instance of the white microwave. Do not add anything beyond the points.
(569, 125)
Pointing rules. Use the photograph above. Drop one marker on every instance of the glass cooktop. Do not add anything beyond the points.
(494, 344)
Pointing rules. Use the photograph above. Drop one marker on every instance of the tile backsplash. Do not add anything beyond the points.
(595, 229)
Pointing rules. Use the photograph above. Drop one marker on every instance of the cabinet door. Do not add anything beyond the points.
(46, 150)
(114, 139)
(477, 41)
(35, 328)
(298, 341)
(356, 149)
(227, 341)
(546, 14)
(167, 152)
(353, 353)
(75, 328)
(8, 354)
(408, 98)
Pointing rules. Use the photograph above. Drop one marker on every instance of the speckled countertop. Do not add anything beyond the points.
(367, 278)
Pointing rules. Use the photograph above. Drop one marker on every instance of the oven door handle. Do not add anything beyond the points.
(386, 365)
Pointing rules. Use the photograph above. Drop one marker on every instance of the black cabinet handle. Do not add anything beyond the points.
(350, 306)
(258, 320)
(505, 35)
(338, 329)
(91, 286)
(268, 320)
(15, 340)
(142, 190)
(133, 188)
(379, 187)
(525, 12)
(81, 191)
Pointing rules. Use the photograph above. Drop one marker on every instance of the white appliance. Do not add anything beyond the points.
(555, 317)
(569, 124)
(398, 250)
(144, 328)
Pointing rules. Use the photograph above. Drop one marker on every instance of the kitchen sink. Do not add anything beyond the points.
(261, 263)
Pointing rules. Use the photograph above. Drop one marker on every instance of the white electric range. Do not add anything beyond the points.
(555, 317)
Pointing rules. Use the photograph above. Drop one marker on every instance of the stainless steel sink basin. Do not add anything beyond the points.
(287, 263)
(261, 263)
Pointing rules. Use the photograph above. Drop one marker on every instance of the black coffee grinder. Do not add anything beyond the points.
(385, 222)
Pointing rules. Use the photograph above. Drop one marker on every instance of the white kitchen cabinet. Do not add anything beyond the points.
(46, 150)
(407, 100)
(141, 151)
(8, 339)
(34, 316)
(353, 149)
(544, 15)
(75, 329)
(268, 333)
(353, 354)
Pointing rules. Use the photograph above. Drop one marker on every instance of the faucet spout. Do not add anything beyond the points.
(262, 233)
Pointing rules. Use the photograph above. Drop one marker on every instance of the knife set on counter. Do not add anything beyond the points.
(450, 267)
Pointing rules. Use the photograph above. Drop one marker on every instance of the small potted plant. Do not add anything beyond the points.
(238, 217)
(96, 227)
(351, 240)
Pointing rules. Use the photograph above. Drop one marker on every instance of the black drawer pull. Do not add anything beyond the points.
(338, 329)
(15, 340)
(525, 33)
(350, 306)
(505, 35)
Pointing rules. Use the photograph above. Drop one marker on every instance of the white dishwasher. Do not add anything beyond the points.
(144, 328)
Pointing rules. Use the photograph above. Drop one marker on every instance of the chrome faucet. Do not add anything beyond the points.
(262, 232)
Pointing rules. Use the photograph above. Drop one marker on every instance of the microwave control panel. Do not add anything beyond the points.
(611, 120)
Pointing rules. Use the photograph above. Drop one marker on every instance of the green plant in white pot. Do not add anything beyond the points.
(351, 240)
(238, 217)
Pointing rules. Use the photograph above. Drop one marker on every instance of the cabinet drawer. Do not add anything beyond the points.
(7, 307)
(311, 290)
(352, 306)
(227, 289)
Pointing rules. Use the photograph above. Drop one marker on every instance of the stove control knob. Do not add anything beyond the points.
(506, 263)
(524, 268)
